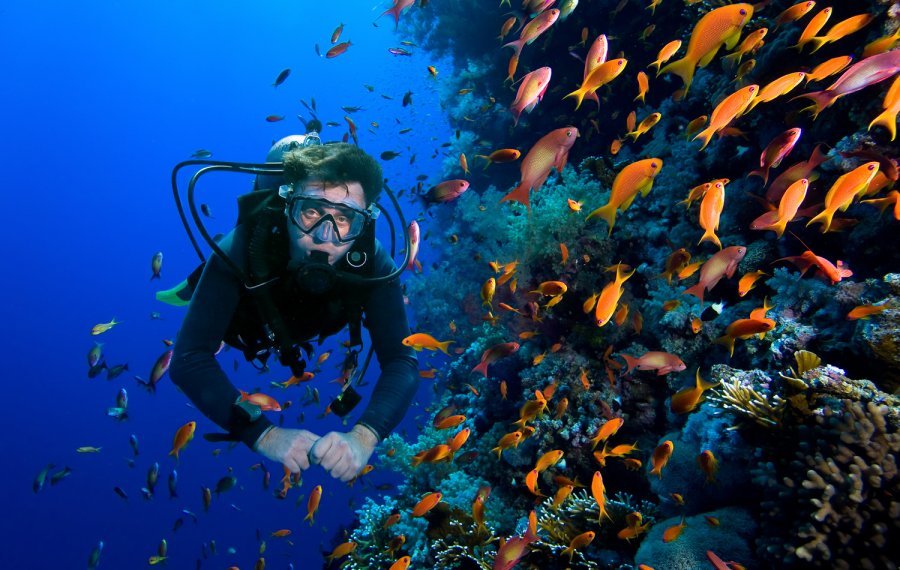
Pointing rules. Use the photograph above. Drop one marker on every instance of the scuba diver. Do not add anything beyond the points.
(302, 261)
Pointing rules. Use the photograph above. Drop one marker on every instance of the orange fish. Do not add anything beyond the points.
(673, 532)
(813, 27)
(794, 13)
(561, 495)
(696, 325)
(312, 505)
(709, 464)
(676, 261)
(777, 88)
(551, 151)
(500, 156)
(686, 399)
(603, 74)
(718, 27)
(428, 502)
(579, 541)
(341, 550)
(751, 42)
(865, 311)
(748, 282)
(845, 189)
(281, 533)
(643, 86)
(184, 435)
(450, 422)
(606, 431)
(665, 54)
(419, 341)
(609, 297)
(891, 105)
(646, 124)
(402, 563)
(507, 441)
(711, 211)
(548, 460)
(722, 264)
(828, 68)
(808, 259)
(531, 483)
(635, 178)
(728, 110)
(743, 329)
(882, 44)
(841, 30)
(598, 490)
(661, 456)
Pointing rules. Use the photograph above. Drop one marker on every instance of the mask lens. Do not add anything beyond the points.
(309, 213)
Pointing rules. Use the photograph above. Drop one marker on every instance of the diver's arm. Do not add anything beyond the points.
(388, 326)
(194, 367)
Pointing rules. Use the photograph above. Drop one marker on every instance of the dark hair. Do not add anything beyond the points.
(335, 163)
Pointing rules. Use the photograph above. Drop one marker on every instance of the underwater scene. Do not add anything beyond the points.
(463, 284)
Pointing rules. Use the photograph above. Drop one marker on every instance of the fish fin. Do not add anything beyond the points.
(726, 341)
(519, 194)
(710, 235)
(824, 218)
(630, 361)
(706, 134)
(516, 46)
(607, 213)
(888, 120)
(683, 68)
(697, 291)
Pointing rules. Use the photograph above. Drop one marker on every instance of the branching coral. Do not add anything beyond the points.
(748, 403)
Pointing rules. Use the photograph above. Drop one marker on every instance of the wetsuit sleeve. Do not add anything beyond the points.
(194, 367)
(385, 318)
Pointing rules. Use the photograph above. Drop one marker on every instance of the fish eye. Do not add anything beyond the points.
(743, 12)
(871, 167)
(652, 165)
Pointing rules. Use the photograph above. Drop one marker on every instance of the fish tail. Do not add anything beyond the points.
(579, 96)
(519, 194)
(818, 42)
(779, 226)
(607, 212)
(824, 218)
(697, 291)
(821, 101)
(443, 346)
(888, 120)
(727, 341)
(706, 134)
(517, 47)
(683, 68)
(710, 235)
(762, 173)
(630, 361)
(733, 59)
(481, 367)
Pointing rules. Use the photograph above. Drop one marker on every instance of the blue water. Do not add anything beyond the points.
(99, 101)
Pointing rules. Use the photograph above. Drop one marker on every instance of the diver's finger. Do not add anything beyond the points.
(292, 465)
(301, 459)
(320, 449)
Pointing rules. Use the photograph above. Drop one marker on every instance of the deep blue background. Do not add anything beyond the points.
(97, 102)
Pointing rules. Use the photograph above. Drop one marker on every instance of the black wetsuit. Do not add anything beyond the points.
(217, 297)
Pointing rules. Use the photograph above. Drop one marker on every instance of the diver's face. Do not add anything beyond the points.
(350, 193)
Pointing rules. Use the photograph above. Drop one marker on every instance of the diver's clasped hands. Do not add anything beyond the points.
(343, 455)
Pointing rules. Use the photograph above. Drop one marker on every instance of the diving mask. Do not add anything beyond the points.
(327, 221)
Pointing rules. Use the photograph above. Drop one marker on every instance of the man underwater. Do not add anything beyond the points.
(296, 242)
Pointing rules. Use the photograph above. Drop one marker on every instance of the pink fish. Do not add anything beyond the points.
(596, 56)
(446, 191)
(159, 370)
(551, 151)
(398, 7)
(413, 243)
(531, 91)
(493, 354)
(778, 149)
(867, 72)
(721, 264)
(533, 30)
(808, 259)
(794, 173)
(513, 550)
(662, 362)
